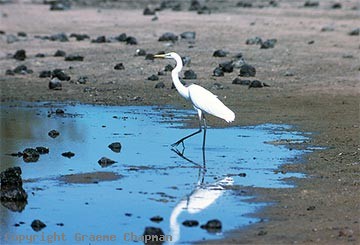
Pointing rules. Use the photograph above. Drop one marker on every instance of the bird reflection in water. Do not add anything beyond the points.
(203, 195)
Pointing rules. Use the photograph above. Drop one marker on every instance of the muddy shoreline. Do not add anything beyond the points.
(321, 95)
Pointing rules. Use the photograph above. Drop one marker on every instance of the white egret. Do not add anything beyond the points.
(202, 100)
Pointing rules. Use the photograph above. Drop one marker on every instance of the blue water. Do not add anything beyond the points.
(154, 179)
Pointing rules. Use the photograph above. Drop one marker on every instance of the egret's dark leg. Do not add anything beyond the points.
(204, 139)
(186, 137)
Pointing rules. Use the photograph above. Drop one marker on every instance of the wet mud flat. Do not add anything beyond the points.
(312, 73)
(183, 199)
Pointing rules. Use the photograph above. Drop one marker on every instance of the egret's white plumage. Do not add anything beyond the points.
(202, 100)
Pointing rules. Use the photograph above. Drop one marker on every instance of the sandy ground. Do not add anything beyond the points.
(321, 97)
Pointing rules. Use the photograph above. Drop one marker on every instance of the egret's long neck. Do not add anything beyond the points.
(175, 77)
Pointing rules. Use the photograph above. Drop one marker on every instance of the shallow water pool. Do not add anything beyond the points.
(78, 199)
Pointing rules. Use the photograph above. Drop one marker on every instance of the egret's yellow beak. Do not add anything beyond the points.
(161, 56)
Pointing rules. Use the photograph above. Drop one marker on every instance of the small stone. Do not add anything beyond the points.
(53, 133)
(257, 84)
(242, 174)
(153, 78)
(105, 162)
(20, 55)
(168, 67)
(74, 57)
(190, 74)
(217, 86)
(30, 155)
(21, 69)
(327, 29)
(115, 147)
(168, 36)
(262, 233)
(227, 66)
(247, 70)
(99, 39)
(37, 225)
(310, 208)
(186, 60)
(149, 57)
(40, 55)
(148, 11)
(157, 219)
(62, 37)
(311, 42)
(83, 80)
(218, 72)
(254, 40)
(311, 3)
(336, 6)
(68, 154)
(244, 4)
(190, 223)
(119, 66)
(22, 34)
(79, 37)
(131, 40)
(220, 53)
(122, 37)
(212, 226)
(355, 32)
(60, 74)
(270, 43)
(241, 81)
(9, 72)
(60, 53)
(160, 85)
(55, 84)
(42, 150)
(188, 35)
(140, 52)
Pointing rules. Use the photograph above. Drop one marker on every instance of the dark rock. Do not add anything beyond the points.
(217, 86)
(355, 32)
(122, 37)
(105, 162)
(242, 174)
(55, 84)
(253, 40)
(22, 69)
(53, 133)
(247, 70)
(220, 53)
(227, 66)
(115, 147)
(218, 72)
(20, 55)
(79, 37)
(155, 18)
(310, 3)
(119, 66)
(153, 231)
(258, 84)
(204, 10)
(60, 5)
(336, 6)
(188, 35)
(149, 57)
(327, 29)
(148, 11)
(270, 43)
(37, 225)
(22, 34)
(40, 55)
(168, 36)
(74, 57)
(190, 74)
(262, 233)
(168, 67)
(42, 150)
(9, 72)
(190, 223)
(62, 37)
(68, 154)
(61, 75)
(30, 155)
(161, 73)
(311, 42)
(241, 81)
(310, 208)
(99, 39)
(212, 226)
(140, 52)
(60, 53)
(289, 74)
(195, 5)
(186, 60)
(160, 85)
(131, 40)
(82, 80)
(153, 78)
(157, 219)
(244, 4)
(12, 194)
(59, 111)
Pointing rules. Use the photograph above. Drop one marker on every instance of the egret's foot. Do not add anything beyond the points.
(177, 143)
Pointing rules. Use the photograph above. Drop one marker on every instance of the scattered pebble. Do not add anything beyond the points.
(20, 54)
(68, 154)
(247, 70)
(258, 84)
(254, 40)
(190, 74)
(168, 36)
(336, 6)
(244, 4)
(22, 69)
(310, 208)
(79, 37)
(212, 226)
(60, 74)
(61, 37)
(160, 85)
(122, 37)
(53, 133)
(310, 3)
(82, 79)
(39, 55)
(148, 11)
(262, 233)
(105, 162)
(190, 223)
(188, 35)
(157, 219)
(60, 5)
(227, 66)
(37, 225)
(131, 40)
(153, 78)
(30, 155)
(74, 57)
(60, 53)
(355, 32)
(168, 67)
(119, 66)
(11, 189)
(270, 43)
(327, 29)
(186, 60)
(55, 84)
(140, 52)
(217, 86)
(241, 81)
(99, 39)
(42, 150)
(218, 72)
(220, 53)
(115, 147)
(289, 74)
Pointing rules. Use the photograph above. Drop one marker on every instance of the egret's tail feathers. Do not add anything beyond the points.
(229, 116)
